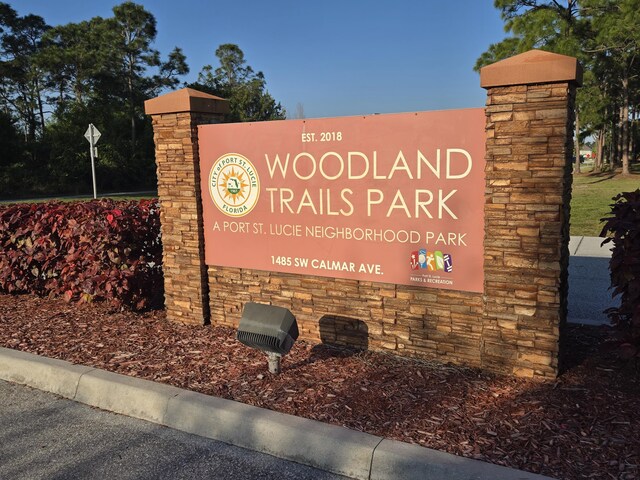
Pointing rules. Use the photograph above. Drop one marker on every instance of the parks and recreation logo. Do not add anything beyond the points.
(431, 261)
(234, 185)
(434, 263)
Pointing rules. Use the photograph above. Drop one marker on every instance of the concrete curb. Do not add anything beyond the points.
(129, 396)
(398, 460)
(48, 374)
(328, 447)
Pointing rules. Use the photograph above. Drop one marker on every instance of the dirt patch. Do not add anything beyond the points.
(583, 425)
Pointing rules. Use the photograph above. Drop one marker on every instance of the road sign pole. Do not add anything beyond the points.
(93, 135)
(93, 163)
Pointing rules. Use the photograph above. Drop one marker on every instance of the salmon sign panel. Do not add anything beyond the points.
(387, 198)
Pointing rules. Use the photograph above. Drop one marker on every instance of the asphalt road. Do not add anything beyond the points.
(589, 293)
(43, 436)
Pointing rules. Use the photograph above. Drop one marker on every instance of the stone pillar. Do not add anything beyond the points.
(529, 131)
(176, 117)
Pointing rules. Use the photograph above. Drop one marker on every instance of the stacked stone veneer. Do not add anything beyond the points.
(512, 327)
(411, 321)
(528, 190)
(176, 117)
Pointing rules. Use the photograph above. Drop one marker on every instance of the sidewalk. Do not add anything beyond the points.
(589, 247)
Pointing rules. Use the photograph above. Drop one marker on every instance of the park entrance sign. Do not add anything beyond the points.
(436, 235)
(387, 198)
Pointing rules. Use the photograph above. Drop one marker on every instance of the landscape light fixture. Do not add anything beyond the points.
(270, 329)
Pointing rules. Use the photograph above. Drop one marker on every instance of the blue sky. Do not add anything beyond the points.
(346, 57)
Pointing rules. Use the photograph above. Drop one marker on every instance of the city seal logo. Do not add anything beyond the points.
(234, 185)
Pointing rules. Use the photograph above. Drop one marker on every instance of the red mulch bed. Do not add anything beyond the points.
(583, 425)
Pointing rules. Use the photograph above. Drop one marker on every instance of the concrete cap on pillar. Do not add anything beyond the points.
(534, 66)
(186, 100)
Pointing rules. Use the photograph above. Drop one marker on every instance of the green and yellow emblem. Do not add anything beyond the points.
(234, 185)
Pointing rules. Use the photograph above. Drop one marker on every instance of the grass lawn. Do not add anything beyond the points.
(76, 198)
(592, 194)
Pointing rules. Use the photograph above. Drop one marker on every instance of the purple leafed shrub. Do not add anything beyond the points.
(622, 229)
(99, 250)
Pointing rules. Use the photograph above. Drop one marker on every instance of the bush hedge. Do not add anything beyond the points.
(98, 250)
(623, 230)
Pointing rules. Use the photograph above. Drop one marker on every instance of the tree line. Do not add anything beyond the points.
(605, 37)
(55, 80)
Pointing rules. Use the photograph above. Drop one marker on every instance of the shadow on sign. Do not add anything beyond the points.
(344, 331)
(341, 337)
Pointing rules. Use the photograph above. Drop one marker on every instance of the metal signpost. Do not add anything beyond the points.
(93, 135)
